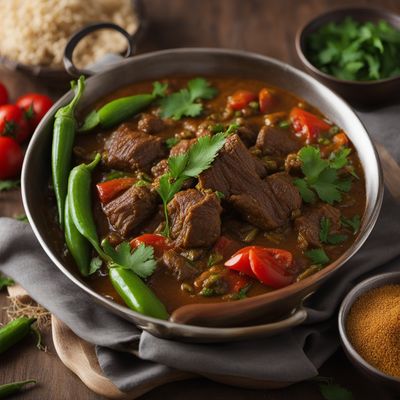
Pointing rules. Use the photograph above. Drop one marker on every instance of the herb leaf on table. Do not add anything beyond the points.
(5, 281)
(186, 101)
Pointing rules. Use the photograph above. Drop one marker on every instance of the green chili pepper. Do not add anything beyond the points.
(77, 244)
(136, 294)
(118, 110)
(63, 140)
(11, 388)
(80, 205)
(14, 331)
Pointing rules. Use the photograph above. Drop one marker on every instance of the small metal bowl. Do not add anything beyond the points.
(361, 94)
(388, 382)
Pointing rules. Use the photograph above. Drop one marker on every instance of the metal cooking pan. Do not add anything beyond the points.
(223, 321)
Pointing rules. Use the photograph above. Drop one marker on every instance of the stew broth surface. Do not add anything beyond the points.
(165, 285)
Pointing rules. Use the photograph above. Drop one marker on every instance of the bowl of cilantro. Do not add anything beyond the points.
(356, 52)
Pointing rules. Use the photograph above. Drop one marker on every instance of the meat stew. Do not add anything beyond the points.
(280, 198)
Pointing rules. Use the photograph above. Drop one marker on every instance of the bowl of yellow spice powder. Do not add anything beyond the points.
(369, 326)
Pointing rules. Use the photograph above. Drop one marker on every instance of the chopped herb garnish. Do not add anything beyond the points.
(332, 391)
(159, 89)
(95, 264)
(5, 282)
(254, 105)
(242, 293)
(141, 261)
(352, 223)
(334, 130)
(141, 182)
(284, 124)
(321, 177)
(214, 259)
(9, 184)
(114, 175)
(208, 292)
(219, 194)
(217, 128)
(189, 165)
(185, 103)
(171, 142)
(327, 238)
(355, 50)
(317, 256)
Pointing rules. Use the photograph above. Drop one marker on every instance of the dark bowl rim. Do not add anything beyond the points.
(347, 303)
(301, 35)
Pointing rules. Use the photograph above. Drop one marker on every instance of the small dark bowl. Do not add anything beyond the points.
(361, 94)
(388, 382)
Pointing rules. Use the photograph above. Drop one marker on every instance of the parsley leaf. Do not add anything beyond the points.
(4, 282)
(141, 261)
(197, 159)
(317, 256)
(185, 102)
(159, 89)
(10, 184)
(324, 235)
(352, 223)
(321, 175)
(331, 391)
(171, 142)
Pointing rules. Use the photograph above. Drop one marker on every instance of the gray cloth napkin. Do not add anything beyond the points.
(293, 356)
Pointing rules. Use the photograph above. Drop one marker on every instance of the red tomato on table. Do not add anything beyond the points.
(11, 157)
(35, 106)
(3, 94)
(270, 266)
(12, 123)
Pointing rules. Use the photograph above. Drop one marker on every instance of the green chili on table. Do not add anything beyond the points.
(14, 331)
(77, 244)
(80, 205)
(119, 110)
(136, 294)
(63, 141)
(11, 388)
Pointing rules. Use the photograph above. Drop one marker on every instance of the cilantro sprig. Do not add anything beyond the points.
(317, 256)
(328, 238)
(352, 223)
(185, 103)
(321, 178)
(191, 164)
(141, 261)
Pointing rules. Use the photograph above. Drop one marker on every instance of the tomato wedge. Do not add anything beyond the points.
(270, 266)
(241, 99)
(108, 190)
(265, 100)
(158, 242)
(307, 124)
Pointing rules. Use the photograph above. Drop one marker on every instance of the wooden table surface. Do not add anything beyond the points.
(264, 26)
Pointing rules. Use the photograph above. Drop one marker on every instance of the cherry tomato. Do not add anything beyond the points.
(241, 99)
(158, 242)
(240, 262)
(3, 94)
(271, 266)
(265, 100)
(307, 124)
(11, 157)
(35, 106)
(108, 190)
(12, 123)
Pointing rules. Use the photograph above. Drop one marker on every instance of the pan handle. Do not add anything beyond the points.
(79, 35)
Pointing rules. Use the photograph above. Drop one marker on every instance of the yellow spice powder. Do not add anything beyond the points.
(373, 328)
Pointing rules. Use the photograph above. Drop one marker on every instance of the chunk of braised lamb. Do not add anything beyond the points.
(234, 174)
(308, 225)
(149, 123)
(129, 210)
(131, 150)
(182, 147)
(276, 141)
(247, 134)
(195, 219)
(286, 192)
(179, 266)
